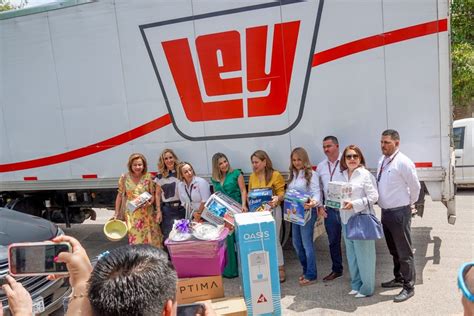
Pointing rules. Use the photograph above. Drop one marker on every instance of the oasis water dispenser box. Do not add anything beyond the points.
(258, 264)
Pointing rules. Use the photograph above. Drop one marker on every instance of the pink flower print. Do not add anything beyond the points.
(139, 224)
(131, 239)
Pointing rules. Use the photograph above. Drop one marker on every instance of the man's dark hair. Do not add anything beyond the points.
(331, 138)
(132, 280)
(392, 133)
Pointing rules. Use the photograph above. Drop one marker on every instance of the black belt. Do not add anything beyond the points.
(395, 208)
(172, 204)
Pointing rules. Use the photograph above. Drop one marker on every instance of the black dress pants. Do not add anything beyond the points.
(169, 214)
(397, 229)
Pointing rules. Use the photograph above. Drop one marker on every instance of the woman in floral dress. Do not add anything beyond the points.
(143, 222)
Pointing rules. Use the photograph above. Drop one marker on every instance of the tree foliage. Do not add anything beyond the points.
(462, 51)
(5, 6)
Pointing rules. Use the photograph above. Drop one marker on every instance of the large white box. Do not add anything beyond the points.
(220, 208)
(338, 193)
(258, 264)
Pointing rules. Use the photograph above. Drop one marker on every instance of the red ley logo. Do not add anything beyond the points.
(220, 53)
(237, 73)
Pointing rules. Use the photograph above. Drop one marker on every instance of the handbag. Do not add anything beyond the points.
(364, 226)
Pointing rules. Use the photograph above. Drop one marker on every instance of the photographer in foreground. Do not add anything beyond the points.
(128, 280)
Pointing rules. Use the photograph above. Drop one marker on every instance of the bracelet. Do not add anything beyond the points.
(74, 296)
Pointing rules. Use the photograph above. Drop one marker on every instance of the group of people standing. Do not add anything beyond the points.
(178, 193)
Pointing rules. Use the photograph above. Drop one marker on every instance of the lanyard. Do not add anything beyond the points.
(188, 193)
(379, 176)
(331, 173)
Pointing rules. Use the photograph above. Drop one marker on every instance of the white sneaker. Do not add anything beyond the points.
(358, 295)
(353, 292)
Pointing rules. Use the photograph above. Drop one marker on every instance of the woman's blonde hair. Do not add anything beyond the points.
(263, 156)
(161, 162)
(136, 156)
(308, 170)
(180, 169)
(216, 172)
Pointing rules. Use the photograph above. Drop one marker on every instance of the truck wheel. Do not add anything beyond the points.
(28, 205)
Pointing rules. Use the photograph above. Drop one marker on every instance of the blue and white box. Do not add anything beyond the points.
(258, 264)
(293, 207)
(259, 198)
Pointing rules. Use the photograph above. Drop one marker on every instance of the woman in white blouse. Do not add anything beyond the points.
(360, 253)
(304, 179)
(193, 191)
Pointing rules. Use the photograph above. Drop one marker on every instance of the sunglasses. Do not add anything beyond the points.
(462, 275)
(350, 157)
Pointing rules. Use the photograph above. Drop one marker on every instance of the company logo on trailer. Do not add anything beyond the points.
(236, 73)
(221, 59)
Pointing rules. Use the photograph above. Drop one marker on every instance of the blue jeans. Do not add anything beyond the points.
(302, 237)
(332, 223)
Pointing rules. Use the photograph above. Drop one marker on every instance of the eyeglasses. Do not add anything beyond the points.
(462, 276)
(350, 157)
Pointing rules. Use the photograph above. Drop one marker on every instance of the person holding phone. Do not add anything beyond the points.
(19, 300)
(193, 191)
(264, 176)
(360, 253)
(304, 179)
(167, 196)
(141, 222)
(230, 182)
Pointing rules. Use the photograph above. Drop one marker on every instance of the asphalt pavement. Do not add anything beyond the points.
(440, 249)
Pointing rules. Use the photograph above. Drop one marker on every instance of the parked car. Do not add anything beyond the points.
(463, 135)
(20, 227)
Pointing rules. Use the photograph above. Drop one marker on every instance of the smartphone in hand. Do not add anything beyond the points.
(36, 258)
(191, 309)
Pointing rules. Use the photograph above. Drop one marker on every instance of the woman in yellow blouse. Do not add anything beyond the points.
(264, 176)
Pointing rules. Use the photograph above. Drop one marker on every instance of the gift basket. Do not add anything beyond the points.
(197, 249)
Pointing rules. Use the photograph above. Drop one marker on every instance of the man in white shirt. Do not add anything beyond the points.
(399, 188)
(329, 170)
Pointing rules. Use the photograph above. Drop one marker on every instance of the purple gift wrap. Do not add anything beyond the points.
(195, 258)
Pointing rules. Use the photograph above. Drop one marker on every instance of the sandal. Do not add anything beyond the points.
(301, 278)
(282, 273)
(305, 282)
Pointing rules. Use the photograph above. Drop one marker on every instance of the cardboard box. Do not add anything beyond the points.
(293, 207)
(138, 201)
(259, 198)
(338, 193)
(220, 208)
(229, 306)
(257, 252)
(191, 290)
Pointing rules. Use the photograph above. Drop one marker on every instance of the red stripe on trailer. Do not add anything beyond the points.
(379, 40)
(423, 164)
(120, 139)
(89, 176)
(320, 58)
(30, 178)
